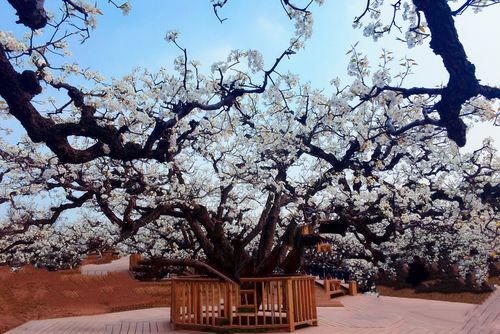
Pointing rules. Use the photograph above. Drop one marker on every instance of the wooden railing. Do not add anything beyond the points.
(271, 302)
(334, 287)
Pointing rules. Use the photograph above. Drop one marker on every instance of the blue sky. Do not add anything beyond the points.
(121, 43)
(262, 25)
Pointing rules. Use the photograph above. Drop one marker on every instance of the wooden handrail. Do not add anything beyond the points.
(194, 279)
(275, 278)
(188, 263)
(243, 279)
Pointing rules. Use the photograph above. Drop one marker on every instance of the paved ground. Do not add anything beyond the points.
(120, 265)
(360, 315)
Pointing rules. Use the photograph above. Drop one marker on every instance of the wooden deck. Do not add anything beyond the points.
(360, 315)
(155, 320)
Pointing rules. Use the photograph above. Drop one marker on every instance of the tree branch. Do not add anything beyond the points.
(188, 263)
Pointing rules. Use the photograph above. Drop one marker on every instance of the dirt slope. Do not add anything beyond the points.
(38, 294)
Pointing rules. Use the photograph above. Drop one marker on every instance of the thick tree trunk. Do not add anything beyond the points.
(462, 84)
(31, 13)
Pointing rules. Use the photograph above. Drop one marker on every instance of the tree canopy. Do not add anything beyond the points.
(223, 170)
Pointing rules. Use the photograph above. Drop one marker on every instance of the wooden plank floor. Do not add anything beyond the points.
(360, 315)
(153, 327)
(147, 321)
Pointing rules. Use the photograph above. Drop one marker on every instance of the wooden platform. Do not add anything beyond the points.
(257, 303)
(360, 315)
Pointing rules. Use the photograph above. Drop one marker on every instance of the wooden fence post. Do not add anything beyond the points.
(228, 303)
(353, 288)
(197, 294)
(134, 260)
(173, 306)
(290, 311)
(326, 284)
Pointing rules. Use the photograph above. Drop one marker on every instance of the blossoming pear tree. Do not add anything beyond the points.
(221, 171)
(417, 21)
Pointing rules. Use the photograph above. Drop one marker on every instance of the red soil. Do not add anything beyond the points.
(458, 297)
(31, 294)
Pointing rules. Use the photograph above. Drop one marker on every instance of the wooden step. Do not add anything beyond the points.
(345, 286)
(337, 293)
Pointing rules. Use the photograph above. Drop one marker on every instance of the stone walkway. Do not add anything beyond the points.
(360, 315)
(120, 265)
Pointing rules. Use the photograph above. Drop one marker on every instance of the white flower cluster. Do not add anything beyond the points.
(126, 7)
(11, 43)
(172, 36)
(383, 16)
